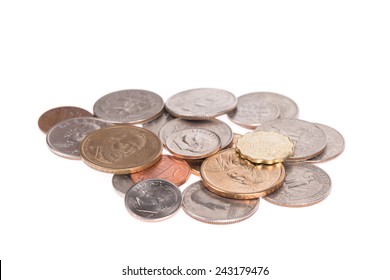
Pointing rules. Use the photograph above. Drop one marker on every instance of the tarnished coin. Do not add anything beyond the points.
(195, 166)
(201, 103)
(205, 206)
(168, 168)
(193, 143)
(122, 183)
(228, 175)
(121, 149)
(334, 144)
(53, 116)
(266, 147)
(65, 137)
(153, 200)
(309, 140)
(236, 136)
(288, 109)
(129, 106)
(305, 184)
(156, 124)
(220, 128)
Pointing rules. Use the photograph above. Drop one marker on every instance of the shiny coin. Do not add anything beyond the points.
(305, 184)
(265, 147)
(309, 140)
(205, 206)
(153, 200)
(129, 106)
(156, 124)
(201, 103)
(121, 149)
(228, 175)
(65, 137)
(288, 109)
(122, 183)
(195, 143)
(236, 136)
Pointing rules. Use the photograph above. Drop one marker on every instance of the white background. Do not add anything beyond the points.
(60, 219)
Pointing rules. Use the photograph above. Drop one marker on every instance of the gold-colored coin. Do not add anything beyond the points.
(236, 136)
(265, 147)
(121, 149)
(228, 175)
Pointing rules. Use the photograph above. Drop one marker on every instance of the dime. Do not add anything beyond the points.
(305, 185)
(228, 175)
(129, 106)
(168, 168)
(309, 140)
(236, 136)
(153, 200)
(53, 116)
(288, 109)
(65, 137)
(156, 124)
(122, 183)
(193, 143)
(265, 147)
(121, 149)
(205, 206)
(201, 103)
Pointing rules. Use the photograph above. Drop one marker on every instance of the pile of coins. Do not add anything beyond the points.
(273, 161)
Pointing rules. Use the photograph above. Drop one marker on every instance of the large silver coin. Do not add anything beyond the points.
(122, 183)
(305, 185)
(156, 124)
(153, 200)
(201, 103)
(309, 140)
(287, 107)
(65, 137)
(205, 206)
(220, 128)
(129, 106)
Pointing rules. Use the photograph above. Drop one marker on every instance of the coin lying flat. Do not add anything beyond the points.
(156, 124)
(228, 175)
(288, 109)
(122, 183)
(121, 149)
(129, 106)
(153, 200)
(305, 185)
(201, 103)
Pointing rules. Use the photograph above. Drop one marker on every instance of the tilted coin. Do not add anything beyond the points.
(153, 200)
(122, 183)
(288, 109)
(121, 149)
(65, 137)
(193, 143)
(201, 103)
(305, 185)
(195, 166)
(236, 136)
(309, 140)
(129, 106)
(265, 147)
(156, 124)
(228, 175)
(205, 206)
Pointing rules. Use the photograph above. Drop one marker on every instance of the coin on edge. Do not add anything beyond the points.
(122, 183)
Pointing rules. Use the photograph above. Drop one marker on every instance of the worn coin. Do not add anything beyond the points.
(122, 183)
(305, 184)
(129, 106)
(288, 109)
(205, 206)
(156, 124)
(153, 200)
(201, 103)
(121, 149)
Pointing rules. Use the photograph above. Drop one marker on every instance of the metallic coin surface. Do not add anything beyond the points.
(195, 166)
(169, 168)
(129, 106)
(334, 144)
(65, 137)
(153, 200)
(205, 206)
(53, 116)
(122, 183)
(288, 109)
(265, 147)
(220, 128)
(156, 124)
(305, 185)
(228, 175)
(236, 136)
(193, 143)
(309, 140)
(201, 103)
(121, 149)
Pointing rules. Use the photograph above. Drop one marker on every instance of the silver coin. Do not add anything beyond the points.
(220, 128)
(305, 185)
(129, 106)
(287, 107)
(156, 124)
(334, 144)
(122, 183)
(201, 103)
(309, 140)
(153, 200)
(205, 206)
(65, 137)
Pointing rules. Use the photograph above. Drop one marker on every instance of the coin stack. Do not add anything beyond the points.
(273, 161)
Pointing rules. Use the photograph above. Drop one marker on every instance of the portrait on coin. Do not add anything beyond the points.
(194, 142)
(150, 201)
